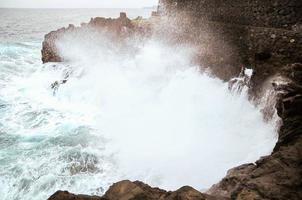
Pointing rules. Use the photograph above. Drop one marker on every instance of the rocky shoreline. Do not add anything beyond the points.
(117, 30)
(271, 45)
(138, 191)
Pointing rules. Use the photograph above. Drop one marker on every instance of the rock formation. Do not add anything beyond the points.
(126, 190)
(266, 36)
(276, 13)
(116, 29)
(279, 175)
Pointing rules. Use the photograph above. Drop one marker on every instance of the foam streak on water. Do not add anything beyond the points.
(151, 116)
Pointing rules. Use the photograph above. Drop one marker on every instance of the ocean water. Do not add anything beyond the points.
(151, 116)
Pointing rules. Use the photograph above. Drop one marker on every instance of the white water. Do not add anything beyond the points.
(149, 116)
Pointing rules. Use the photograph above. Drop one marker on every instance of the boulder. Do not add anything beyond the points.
(64, 195)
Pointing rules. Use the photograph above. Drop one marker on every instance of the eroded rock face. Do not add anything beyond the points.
(118, 30)
(278, 176)
(275, 13)
(127, 190)
(273, 51)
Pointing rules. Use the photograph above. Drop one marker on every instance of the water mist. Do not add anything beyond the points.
(168, 124)
(142, 114)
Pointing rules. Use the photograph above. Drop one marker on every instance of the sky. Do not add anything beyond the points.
(77, 3)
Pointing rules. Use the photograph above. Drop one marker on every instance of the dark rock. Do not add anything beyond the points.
(277, 13)
(118, 30)
(123, 15)
(263, 56)
(266, 37)
(278, 176)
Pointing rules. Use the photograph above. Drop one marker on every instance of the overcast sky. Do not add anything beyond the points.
(77, 3)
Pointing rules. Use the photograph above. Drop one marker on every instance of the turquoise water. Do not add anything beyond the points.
(42, 149)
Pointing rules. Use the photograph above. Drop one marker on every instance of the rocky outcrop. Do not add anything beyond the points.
(265, 36)
(126, 190)
(64, 195)
(278, 176)
(224, 48)
(117, 30)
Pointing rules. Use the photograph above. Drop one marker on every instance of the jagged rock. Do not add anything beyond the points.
(117, 29)
(127, 190)
(278, 176)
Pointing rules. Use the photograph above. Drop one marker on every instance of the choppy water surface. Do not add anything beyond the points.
(150, 116)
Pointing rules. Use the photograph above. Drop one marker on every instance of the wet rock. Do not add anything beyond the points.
(242, 81)
(117, 30)
(127, 190)
(55, 86)
(278, 176)
(266, 37)
(64, 195)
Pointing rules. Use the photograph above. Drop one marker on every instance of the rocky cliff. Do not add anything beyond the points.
(228, 35)
(273, 13)
(264, 35)
(117, 30)
(267, 37)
